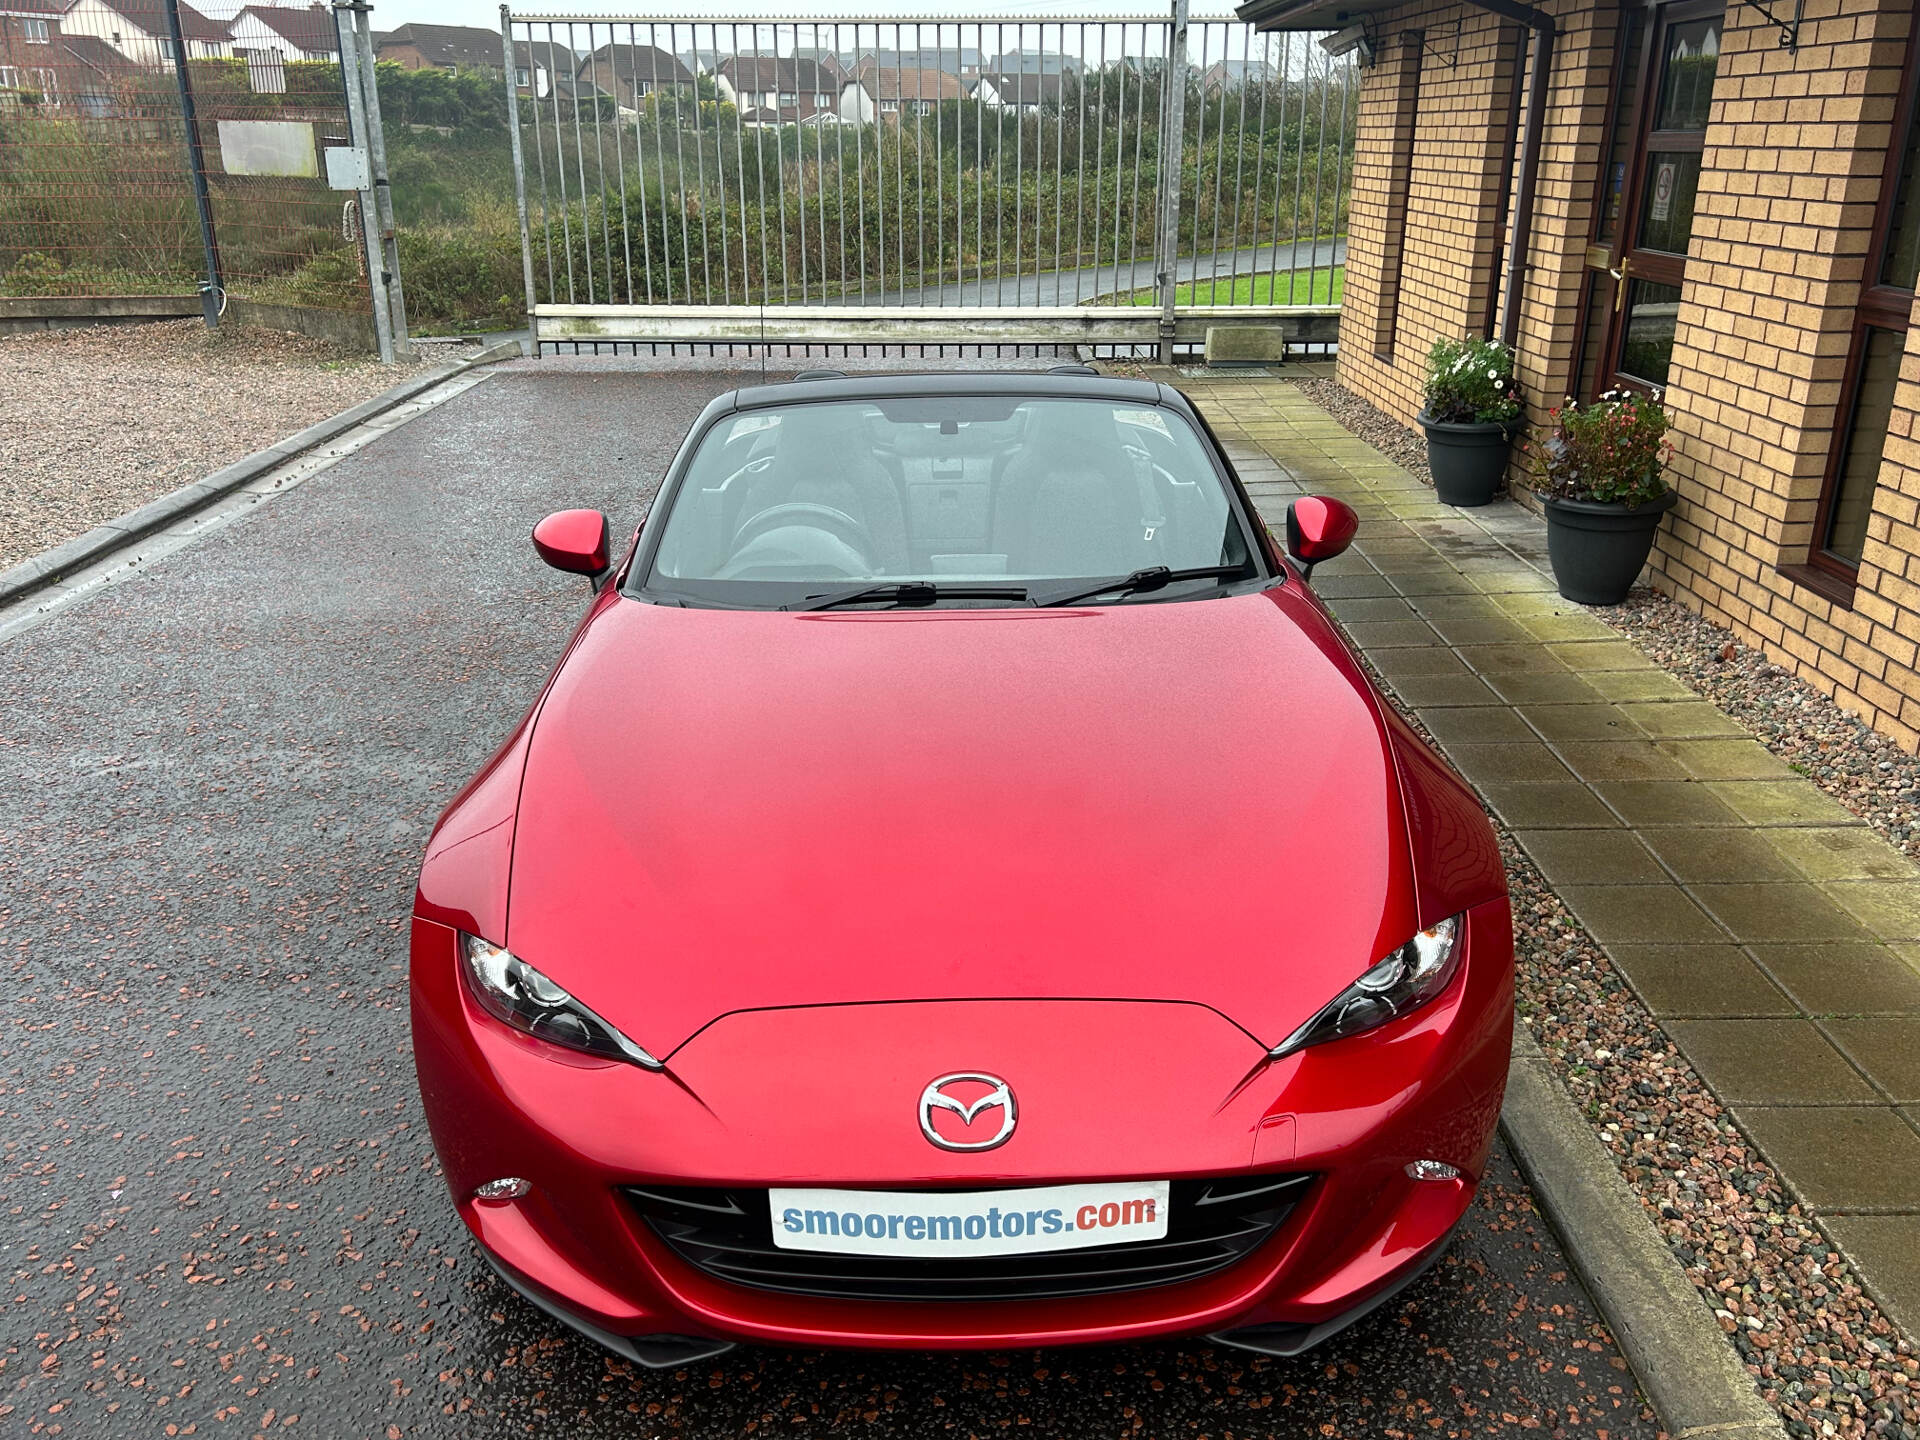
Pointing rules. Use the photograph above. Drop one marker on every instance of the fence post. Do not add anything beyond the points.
(519, 154)
(369, 205)
(1173, 129)
(353, 20)
(212, 296)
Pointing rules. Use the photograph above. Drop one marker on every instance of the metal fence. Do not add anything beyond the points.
(96, 186)
(1114, 182)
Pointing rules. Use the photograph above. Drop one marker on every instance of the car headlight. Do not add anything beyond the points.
(515, 992)
(1407, 979)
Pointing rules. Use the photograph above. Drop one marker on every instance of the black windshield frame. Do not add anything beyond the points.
(1263, 572)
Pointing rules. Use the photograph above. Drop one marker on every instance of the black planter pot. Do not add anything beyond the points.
(1468, 461)
(1597, 549)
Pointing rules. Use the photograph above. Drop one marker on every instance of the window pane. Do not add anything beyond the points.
(1652, 312)
(1686, 81)
(1903, 233)
(1666, 217)
(1614, 178)
(1846, 533)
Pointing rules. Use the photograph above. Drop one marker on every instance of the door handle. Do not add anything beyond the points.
(1620, 288)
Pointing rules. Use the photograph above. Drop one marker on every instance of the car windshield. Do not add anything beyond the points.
(965, 500)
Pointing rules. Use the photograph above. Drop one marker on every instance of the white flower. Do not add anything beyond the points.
(1493, 374)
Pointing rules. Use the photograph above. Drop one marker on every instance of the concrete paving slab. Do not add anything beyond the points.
(1775, 911)
(1886, 1250)
(1842, 979)
(1539, 807)
(1770, 1062)
(1598, 721)
(1701, 980)
(1653, 803)
(1779, 802)
(1423, 690)
(1512, 761)
(1629, 913)
(1553, 687)
(1624, 685)
(1705, 855)
(1850, 852)
(1889, 908)
(1681, 719)
(1839, 1157)
(1887, 1050)
(1619, 760)
(1473, 724)
(1726, 759)
(1592, 857)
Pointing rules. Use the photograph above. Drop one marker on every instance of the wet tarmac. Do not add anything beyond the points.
(219, 1212)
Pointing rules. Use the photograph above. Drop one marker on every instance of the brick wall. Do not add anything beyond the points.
(1794, 152)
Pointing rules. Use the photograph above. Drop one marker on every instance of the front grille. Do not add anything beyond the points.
(1211, 1223)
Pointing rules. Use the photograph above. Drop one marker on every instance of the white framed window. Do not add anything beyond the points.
(36, 32)
(521, 78)
(166, 47)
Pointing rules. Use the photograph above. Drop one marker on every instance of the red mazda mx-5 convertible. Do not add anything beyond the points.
(958, 889)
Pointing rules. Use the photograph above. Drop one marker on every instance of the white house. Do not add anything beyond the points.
(138, 29)
(289, 33)
(1025, 92)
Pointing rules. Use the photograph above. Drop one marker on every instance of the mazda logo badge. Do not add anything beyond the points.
(950, 1105)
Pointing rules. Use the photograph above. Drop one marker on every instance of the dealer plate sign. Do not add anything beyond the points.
(931, 1223)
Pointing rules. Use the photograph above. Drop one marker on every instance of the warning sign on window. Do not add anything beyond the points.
(1662, 191)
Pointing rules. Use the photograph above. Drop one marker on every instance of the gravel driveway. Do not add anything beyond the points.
(96, 422)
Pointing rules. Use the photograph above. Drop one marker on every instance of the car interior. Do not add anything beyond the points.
(948, 488)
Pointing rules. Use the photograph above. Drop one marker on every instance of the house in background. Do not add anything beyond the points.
(777, 90)
(876, 91)
(439, 47)
(30, 55)
(292, 34)
(1025, 92)
(138, 29)
(630, 73)
(1231, 74)
(1035, 62)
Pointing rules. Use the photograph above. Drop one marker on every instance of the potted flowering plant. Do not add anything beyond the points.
(1600, 472)
(1470, 415)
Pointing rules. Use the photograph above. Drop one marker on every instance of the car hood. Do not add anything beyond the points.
(735, 810)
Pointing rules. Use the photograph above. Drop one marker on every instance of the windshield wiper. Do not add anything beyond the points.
(1154, 577)
(910, 592)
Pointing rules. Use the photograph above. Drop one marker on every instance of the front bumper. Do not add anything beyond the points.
(1202, 1102)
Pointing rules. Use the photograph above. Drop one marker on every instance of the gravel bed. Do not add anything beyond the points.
(1862, 769)
(1817, 1345)
(1406, 448)
(96, 422)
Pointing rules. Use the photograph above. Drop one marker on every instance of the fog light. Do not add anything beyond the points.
(512, 1187)
(1416, 1170)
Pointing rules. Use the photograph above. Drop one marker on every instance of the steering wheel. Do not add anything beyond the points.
(837, 523)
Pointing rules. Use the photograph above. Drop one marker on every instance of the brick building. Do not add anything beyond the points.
(1707, 201)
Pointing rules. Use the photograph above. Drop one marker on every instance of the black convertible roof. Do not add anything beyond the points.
(947, 382)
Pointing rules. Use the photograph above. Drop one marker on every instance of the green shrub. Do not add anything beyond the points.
(1613, 450)
(1470, 382)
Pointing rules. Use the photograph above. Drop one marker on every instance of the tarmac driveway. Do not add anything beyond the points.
(219, 1213)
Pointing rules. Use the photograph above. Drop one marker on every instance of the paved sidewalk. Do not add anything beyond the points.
(1775, 936)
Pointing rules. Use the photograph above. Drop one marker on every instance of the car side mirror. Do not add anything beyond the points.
(575, 541)
(1319, 528)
